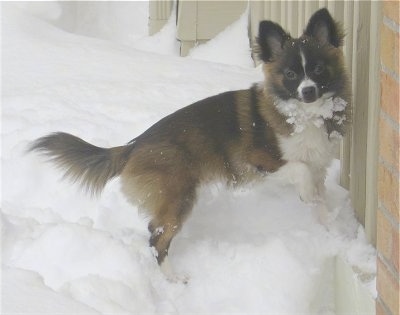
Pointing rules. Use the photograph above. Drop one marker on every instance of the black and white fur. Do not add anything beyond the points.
(312, 93)
(286, 128)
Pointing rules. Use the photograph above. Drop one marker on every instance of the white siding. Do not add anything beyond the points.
(359, 150)
(198, 21)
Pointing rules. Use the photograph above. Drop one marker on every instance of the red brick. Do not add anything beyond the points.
(389, 143)
(388, 190)
(391, 10)
(388, 288)
(388, 239)
(380, 309)
(390, 96)
(390, 49)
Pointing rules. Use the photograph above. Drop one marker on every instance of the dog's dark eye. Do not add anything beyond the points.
(319, 69)
(290, 74)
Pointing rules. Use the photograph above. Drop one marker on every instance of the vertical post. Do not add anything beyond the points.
(373, 124)
(348, 24)
(159, 12)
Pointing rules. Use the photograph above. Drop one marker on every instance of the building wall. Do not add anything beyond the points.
(359, 149)
(159, 13)
(388, 223)
(201, 20)
(363, 23)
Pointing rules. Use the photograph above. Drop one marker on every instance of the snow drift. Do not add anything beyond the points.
(257, 249)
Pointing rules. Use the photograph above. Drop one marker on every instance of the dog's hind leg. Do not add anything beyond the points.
(177, 202)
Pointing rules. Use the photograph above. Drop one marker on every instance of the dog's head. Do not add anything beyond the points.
(308, 68)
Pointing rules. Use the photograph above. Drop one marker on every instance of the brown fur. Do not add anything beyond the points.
(278, 121)
(163, 175)
(221, 137)
(231, 136)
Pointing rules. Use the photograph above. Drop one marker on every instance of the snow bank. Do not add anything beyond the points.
(165, 41)
(123, 23)
(231, 46)
(24, 291)
(257, 249)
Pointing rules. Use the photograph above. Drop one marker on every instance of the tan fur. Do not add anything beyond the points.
(231, 137)
(162, 177)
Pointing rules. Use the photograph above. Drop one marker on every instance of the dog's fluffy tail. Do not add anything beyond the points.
(83, 162)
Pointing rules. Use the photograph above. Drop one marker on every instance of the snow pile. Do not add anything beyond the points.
(300, 114)
(105, 20)
(99, 19)
(165, 41)
(231, 46)
(257, 249)
(49, 11)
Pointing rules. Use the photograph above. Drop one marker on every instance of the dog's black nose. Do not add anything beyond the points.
(309, 94)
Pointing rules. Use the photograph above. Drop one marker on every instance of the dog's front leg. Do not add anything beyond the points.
(319, 174)
(322, 211)
(300, 175)
(310, 184)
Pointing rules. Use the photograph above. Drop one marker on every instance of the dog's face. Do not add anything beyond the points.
(307, 69)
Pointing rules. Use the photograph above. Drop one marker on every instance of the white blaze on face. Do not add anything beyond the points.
(307, 82)
(303, 63)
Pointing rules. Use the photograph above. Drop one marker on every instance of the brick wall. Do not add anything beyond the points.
(388, 179)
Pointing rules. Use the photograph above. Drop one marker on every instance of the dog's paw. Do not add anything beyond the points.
(324, 215)
(174, 278)
(308, 193)
(170, 275)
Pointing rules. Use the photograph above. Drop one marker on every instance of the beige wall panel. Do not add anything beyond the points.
(159, 12)
(187, 20)
(202, 20)
(214, 16)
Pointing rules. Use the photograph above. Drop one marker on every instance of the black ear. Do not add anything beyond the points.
(271, 38)
(324, 29)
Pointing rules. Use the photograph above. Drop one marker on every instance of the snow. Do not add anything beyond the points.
(300, 114)
(257, 249)
(164, 42)
(223, 48)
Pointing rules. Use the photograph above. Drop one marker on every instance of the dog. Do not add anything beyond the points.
(286, 127)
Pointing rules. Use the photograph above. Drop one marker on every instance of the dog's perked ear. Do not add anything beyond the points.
(271, 39)
(324, 29)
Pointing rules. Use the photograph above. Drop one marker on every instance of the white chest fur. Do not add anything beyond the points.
(309, 142)
(308, 153)
(310, 146)
(309, 149)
